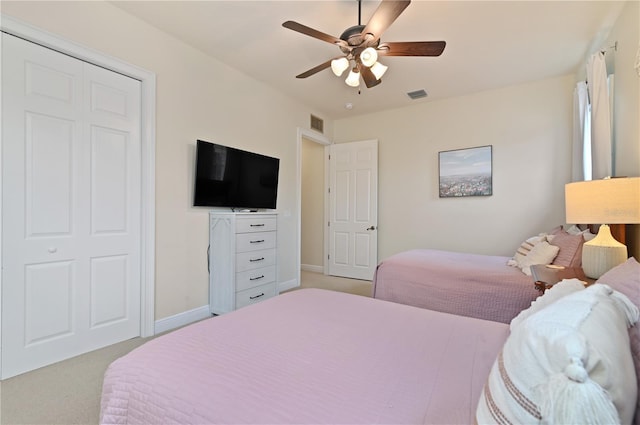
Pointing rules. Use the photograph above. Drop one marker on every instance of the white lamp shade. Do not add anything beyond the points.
(338, 66)
(369, 56)
(607, 201)
(353, 79)
(378, 70)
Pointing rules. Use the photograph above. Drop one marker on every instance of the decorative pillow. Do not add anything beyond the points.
(625, 278)
(541, 253)
(557, 291)
(525, 248)
(570, 254)
(586, 233)
(567, 363)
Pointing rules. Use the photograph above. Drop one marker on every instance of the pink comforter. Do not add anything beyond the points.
(308, 356)
(480, 286)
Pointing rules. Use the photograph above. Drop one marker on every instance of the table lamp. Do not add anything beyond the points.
(608, 201)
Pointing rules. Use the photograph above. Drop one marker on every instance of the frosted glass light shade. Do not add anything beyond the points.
(369, 56)
(338, 66)
(378, 70)
(353, 79)
(602, 253)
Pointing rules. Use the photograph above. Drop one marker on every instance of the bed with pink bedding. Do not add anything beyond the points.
(480, 286)
(308, 356)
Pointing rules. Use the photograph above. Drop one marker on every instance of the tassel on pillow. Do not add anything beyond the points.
(572, 397)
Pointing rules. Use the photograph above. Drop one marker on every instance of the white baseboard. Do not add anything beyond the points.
(312, 268)
(289, 284)
(182, 319)
(187, 317)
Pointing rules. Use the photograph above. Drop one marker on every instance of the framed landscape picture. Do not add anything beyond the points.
(465, 172)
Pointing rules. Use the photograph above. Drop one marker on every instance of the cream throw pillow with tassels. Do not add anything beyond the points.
(569, 363)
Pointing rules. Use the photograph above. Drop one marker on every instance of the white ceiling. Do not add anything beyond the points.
(490, 44)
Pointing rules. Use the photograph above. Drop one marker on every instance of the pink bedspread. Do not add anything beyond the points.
(480, 286)
(308, 356)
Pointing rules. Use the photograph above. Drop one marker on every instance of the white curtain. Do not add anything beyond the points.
(600, 116)
(580, 111)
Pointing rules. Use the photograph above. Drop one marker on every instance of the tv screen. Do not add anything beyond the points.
(230, 177)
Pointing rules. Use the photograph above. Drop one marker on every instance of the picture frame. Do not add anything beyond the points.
(466, 172)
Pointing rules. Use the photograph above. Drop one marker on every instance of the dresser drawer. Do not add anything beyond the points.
(255, 241)
(255, 224)
(255, 259)
(252, 278)
(254, 295)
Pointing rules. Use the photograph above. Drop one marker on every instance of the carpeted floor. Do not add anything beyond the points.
(68, 392)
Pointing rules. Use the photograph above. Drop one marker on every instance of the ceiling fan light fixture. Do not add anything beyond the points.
(338, 66)
(353, 79)
(378, 70)
(369, 56)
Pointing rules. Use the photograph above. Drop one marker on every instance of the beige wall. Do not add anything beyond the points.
(626, 121)
(312, 222)
(197, 97)
(529, 127)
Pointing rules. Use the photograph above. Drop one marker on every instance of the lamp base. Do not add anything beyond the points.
(602, 253)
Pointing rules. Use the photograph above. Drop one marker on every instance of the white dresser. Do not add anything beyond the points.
(242, 259)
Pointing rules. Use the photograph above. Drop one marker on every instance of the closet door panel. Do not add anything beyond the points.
(70, 206)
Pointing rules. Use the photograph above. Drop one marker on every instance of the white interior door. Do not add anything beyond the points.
(71, 216)
(353, 214)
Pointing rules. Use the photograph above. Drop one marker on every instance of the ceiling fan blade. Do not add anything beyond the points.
(383, 17)
(313, 33)
(315, 70)
(412, 48)
(370, 80)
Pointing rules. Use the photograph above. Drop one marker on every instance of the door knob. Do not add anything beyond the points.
(371, 228)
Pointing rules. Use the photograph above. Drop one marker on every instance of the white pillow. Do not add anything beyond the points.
(569, 362)
(551, 295)
(525, 247)
(541, 253)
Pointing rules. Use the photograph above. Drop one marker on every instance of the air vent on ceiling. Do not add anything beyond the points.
(417, 94)
(317, 124)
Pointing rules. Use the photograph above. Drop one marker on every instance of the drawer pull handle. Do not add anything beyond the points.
(256, 225)
(253, 260)
(257, 296)
(258, 241)
(257, 278)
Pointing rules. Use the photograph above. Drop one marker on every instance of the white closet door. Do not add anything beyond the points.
(71, 206)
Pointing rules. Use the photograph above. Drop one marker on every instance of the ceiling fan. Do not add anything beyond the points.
(361, 45)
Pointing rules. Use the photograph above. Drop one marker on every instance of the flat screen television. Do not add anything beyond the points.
(230, 177)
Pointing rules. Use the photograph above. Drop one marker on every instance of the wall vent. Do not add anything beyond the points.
(417, 94)
(317, 124)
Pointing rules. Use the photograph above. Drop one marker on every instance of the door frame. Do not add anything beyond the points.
(27, 32)
(319, 138)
